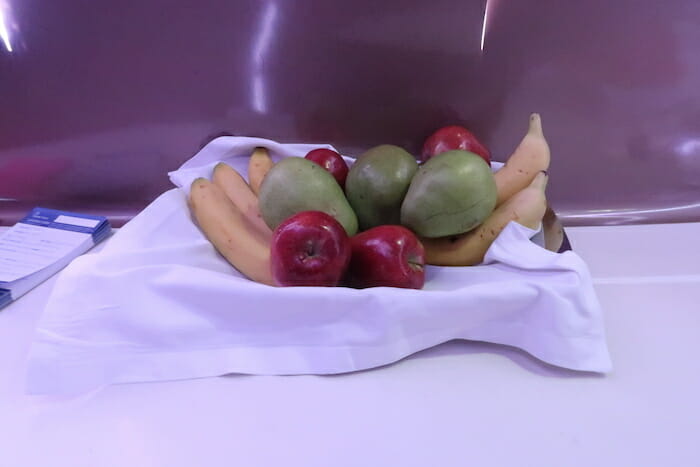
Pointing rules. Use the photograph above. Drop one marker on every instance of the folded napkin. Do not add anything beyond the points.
(159, 303)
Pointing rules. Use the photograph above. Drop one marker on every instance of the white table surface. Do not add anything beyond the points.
(454, 405)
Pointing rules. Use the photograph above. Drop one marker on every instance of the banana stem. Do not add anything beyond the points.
(540, 181)
(535, 125)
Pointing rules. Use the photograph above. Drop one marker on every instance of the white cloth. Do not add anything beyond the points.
(159, 303)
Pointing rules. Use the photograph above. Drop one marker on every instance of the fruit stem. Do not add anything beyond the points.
(535, 126)
(540, 181)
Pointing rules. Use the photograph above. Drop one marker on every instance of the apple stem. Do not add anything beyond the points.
(310, 251)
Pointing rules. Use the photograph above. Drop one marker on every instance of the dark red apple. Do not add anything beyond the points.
(386, 256)
(453, 137)
(309, 248)
(332, 162)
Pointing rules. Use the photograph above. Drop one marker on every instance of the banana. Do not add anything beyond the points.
(238, 191)
(260, 163)
(527, 207)
(230, 231)
(529, 158)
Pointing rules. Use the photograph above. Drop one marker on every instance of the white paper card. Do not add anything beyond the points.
(41, 244)
(26, 249)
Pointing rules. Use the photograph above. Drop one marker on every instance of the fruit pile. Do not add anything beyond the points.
(313, 221)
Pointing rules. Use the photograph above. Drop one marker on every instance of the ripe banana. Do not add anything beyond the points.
(238, 191)
(529, 158)
(260, 163)
(527, 207)
(230, 231)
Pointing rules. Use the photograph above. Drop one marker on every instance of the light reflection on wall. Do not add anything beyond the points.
(490, 6)
(260, 49)
(5, 25)
(624, 215)
(689, 148)
(484, 23)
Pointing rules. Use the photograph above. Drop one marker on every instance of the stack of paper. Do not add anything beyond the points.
(42, 244)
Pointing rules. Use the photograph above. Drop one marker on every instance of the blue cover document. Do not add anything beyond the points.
(43, 243)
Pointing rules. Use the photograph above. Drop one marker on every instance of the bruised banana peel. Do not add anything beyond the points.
(526, 207)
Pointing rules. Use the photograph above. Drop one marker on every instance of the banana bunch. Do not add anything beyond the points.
(227, 210)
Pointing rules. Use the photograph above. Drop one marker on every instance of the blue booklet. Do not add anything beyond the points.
(43, 243)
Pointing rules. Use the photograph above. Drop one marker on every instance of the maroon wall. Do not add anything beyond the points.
(98, 100)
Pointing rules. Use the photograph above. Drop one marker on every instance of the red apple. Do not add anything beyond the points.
(309, 248)
(332, 162)
(453, 137)
(386, 256)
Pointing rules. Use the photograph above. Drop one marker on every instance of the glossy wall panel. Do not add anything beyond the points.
(99, 100)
